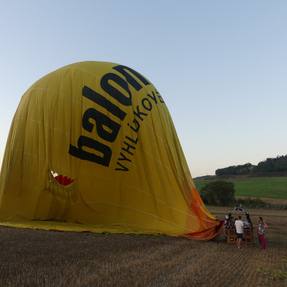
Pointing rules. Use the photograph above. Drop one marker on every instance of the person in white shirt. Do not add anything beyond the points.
(239, 227)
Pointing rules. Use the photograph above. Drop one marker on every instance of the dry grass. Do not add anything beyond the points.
(42, 258)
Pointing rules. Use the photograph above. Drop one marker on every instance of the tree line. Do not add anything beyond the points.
(276, 166)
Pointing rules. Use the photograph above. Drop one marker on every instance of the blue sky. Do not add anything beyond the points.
(221, 66)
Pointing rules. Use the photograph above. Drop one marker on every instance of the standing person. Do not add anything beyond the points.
(239, 227)
(248, 219)
(261, 233)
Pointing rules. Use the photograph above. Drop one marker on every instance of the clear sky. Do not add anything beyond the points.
(221, 66)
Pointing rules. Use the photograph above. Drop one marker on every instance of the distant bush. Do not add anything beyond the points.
(218, 193)
(258, 203)
(253, 203)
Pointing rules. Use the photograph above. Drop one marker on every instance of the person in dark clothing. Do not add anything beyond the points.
(248, 219)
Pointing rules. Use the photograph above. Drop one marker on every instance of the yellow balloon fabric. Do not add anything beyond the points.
(92, 147)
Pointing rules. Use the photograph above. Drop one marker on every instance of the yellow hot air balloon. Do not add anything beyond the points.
(92, 147)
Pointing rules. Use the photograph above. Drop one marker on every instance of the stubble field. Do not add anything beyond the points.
(42, 258)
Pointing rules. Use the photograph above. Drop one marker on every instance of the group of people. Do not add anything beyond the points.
(238, 225)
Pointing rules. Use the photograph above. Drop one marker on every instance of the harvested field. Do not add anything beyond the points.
(42, 258)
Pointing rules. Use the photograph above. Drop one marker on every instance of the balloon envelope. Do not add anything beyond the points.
(92, 146)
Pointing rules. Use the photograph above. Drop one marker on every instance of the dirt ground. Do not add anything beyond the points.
(48, 258)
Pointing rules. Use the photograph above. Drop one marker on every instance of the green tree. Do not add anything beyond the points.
(218, 193)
